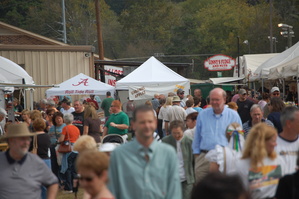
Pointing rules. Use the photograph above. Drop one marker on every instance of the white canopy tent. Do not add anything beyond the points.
(264, 69)
(80, 85)
(253, 61)
(12, 73)
(286, 70)
(150, 78)
(250, 62)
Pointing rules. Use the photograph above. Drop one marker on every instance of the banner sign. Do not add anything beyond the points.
(79, 92)
(219, 63)
(109, 79)
(148, 92)
(138, 92)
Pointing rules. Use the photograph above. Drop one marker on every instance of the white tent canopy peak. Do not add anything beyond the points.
(80, 85)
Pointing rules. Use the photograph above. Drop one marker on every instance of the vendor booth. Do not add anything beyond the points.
(150, 78)
(12, 75)
(80, 85)
(263, 70)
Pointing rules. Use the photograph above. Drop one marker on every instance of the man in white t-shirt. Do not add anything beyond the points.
(176, 112)
(288, 140)
(66, 107)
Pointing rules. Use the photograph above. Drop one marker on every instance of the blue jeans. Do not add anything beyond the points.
(44, 189)
(70, 173)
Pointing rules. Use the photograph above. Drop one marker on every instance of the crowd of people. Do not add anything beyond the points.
(225, 146)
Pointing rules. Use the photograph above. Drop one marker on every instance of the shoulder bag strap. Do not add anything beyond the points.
(68, 135)
(35, 142)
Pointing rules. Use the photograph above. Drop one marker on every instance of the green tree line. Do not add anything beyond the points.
(142, 28)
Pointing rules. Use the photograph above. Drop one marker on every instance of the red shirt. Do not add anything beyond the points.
(72, 131)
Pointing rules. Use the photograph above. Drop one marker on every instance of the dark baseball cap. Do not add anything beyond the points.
(180, 91)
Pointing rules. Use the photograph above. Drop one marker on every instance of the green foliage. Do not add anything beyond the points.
(151, 23)
(137, 28)
(15, 12)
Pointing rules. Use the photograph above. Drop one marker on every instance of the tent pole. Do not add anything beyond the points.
(283, 88)
(297, 85)
(262, 85)
(25, 100)
(31, 99)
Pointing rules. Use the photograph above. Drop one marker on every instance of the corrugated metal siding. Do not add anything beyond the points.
(51, 67)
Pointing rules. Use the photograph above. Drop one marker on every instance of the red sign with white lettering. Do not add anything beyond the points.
(219, 63)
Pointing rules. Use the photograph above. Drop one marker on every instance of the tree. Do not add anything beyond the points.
(80, 22)
(148, 26)
(15, 12)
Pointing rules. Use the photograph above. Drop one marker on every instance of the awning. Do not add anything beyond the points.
(197, 81)
(225, 80)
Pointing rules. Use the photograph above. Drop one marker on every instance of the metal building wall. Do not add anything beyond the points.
(51, 67)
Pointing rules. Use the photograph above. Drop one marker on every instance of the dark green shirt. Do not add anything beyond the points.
(118, 118)
(106, 103)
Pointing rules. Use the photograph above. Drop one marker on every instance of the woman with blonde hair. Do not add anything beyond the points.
(92, 167)
(26, 116)
(163, 112)
(92, 123)
(85, 142)
(260, 168)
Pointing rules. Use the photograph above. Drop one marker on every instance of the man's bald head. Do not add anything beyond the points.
(219, 91)
(217, 99)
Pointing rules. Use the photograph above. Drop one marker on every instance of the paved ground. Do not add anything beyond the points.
(61, 195)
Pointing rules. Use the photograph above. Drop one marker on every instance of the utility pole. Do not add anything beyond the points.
(238, 47)
(63, 21)
(271, 31)
(100, 41)
(289, 37)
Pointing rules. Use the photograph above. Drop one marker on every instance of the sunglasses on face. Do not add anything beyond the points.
(87, 179)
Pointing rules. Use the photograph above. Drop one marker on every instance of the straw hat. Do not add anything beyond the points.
(17, 130)
(176, 99)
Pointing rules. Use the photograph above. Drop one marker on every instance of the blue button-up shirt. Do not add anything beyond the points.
(210, 128)
(131, 175)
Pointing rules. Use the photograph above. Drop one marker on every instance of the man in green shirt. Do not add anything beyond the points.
(118, 122)
(144, 168)
(106, 103)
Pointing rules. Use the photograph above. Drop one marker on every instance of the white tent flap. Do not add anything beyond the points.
(12, 73)
(223, 80)
(80, 85)
(252, 61)
(263, 70)
(285, 70)
(147, 92)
